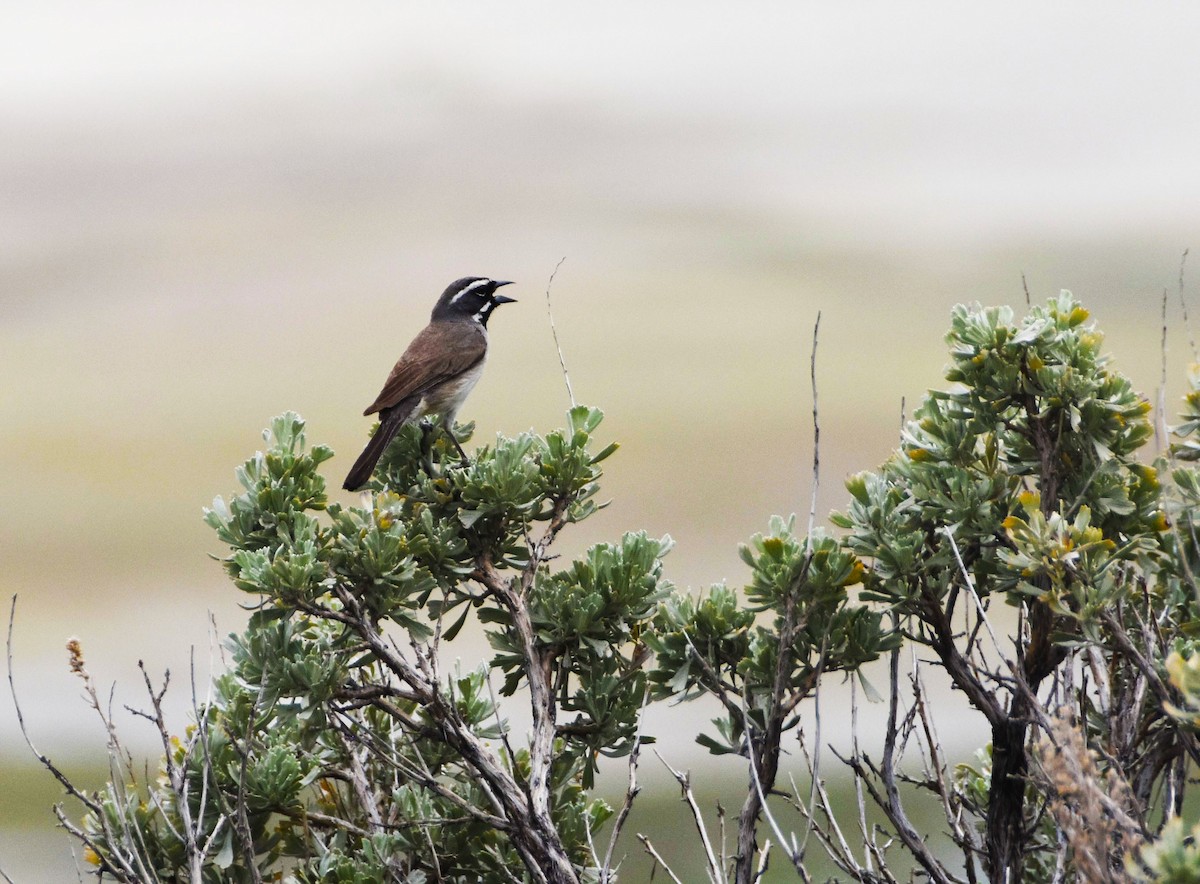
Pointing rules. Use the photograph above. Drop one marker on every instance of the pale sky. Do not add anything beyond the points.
(927, 120)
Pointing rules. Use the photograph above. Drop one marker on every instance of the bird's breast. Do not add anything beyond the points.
(445, 399)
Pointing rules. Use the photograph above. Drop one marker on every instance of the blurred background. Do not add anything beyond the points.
(210, 215)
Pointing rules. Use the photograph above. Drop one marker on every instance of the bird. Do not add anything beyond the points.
(437, 371)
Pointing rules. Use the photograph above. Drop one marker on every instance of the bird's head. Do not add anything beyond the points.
(472, 297)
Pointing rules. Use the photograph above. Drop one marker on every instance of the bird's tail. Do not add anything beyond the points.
(392, 419)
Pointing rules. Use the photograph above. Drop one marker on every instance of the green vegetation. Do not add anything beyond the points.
(339, 748)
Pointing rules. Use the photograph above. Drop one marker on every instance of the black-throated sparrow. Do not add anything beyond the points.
(437, 371)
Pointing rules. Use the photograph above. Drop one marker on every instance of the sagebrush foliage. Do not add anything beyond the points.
(1022, 482)
(338, 748)
(341, 770)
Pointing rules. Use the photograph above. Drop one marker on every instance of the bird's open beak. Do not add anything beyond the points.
(500, 299)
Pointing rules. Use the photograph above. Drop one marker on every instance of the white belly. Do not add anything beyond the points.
(448, 398)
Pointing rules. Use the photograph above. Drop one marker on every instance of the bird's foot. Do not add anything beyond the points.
(447, 425)
(464, 461)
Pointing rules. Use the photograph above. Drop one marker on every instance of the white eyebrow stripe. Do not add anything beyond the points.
(476, 284)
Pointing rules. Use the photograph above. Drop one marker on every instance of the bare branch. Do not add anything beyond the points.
(834, 840)
(1183, 303)
(716, 874)
(970, 581)
(891, 805)
(658, 859)
(554, 331)
(816, 467)
(631, 792)
(794, 856)
(42, 759)
(1160, 425)
(763, 856)
(123, 860)
(527, 811)
(859, 799)
(964, 836)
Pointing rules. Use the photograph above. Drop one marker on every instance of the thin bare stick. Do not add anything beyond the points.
(359, 780)
(422, 775)
(658, 859)
(970, 581)
(592, 849)
(631, 792)
(91, 805)
(797, 853)
(525, 805)
(840, 852)
(859, 797)
(715, 873)
(721, 824)
(1183, 303)
(816, 472)
(200, 738)
(1160, 425)
(823, 804)
(793, 856)
(75, 862)
(126, 868)
(763, 855)
(240, 819)
(890, 804)
(554, 332)
(176, 775)
(501, 725)
(908, 835)
(951, 807)
(1025, 286)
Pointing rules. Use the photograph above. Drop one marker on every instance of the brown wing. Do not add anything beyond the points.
(441, 351)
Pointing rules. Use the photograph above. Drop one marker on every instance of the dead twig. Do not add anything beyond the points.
(661, 863)
(554, 331)
(1183, 304)
(716, 874)
(631, 792)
